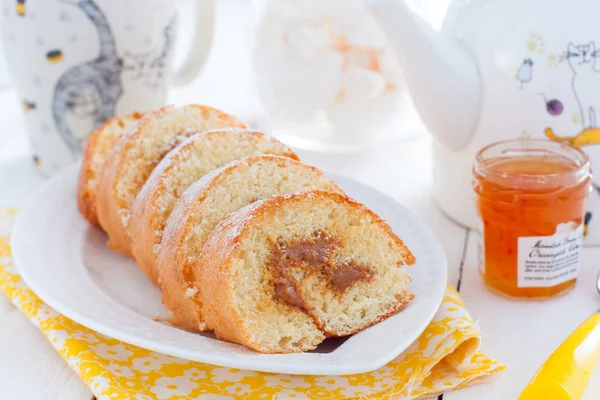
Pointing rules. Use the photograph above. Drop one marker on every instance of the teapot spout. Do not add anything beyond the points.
(441, 76)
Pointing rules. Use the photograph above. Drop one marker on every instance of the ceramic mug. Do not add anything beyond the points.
(77, 63)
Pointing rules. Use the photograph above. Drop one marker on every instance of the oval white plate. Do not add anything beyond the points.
(65, 262)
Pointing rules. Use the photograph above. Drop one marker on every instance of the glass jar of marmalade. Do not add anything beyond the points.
(531, 196)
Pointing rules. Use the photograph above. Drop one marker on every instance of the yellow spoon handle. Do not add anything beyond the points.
(565, 375)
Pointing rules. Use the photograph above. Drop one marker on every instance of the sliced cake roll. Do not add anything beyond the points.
(133, 158)
(183, 166)
(98, 145)
(204, 205)
(282, 274)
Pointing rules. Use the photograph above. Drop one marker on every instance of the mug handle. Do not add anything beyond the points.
(201, 43)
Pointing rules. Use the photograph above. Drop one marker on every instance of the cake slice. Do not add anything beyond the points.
(183, 166)
(98, 145)
(282, 274)
(204, 205)
(133, 158)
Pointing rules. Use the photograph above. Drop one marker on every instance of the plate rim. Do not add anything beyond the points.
(228, 361)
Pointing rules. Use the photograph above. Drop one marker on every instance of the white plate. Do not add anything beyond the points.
(66, 263)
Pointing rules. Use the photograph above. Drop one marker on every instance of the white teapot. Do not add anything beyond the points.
(499, 70)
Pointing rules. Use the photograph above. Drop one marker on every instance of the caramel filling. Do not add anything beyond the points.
(293, 261)
(346, 275)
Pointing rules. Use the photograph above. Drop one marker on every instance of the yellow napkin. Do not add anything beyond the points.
(445, 357)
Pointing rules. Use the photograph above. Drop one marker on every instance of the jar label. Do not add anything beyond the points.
(546, 261)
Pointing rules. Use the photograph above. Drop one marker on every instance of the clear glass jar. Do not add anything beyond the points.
(531, 197)
(327, 76)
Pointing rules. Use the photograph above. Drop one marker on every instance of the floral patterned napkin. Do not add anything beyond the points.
(444, 358)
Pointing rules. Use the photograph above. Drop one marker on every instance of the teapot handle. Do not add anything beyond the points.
(202, 38)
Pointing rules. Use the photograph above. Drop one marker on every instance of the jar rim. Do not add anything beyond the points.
(541, 146)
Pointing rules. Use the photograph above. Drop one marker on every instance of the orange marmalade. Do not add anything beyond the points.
(531, 197)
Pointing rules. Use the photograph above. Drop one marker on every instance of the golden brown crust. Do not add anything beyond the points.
(114, 208)
(98, 146)
(214, 295)
(109, 204)
(218, 253)
(171, 261)
(147, 223)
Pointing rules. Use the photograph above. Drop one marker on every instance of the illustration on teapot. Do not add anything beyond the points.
(585, 85)
(585, 82)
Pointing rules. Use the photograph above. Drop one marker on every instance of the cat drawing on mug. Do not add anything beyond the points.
(89, 90)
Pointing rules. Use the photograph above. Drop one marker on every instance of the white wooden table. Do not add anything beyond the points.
(520, 334)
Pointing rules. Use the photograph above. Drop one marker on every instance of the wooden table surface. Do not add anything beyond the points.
(520, 334)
